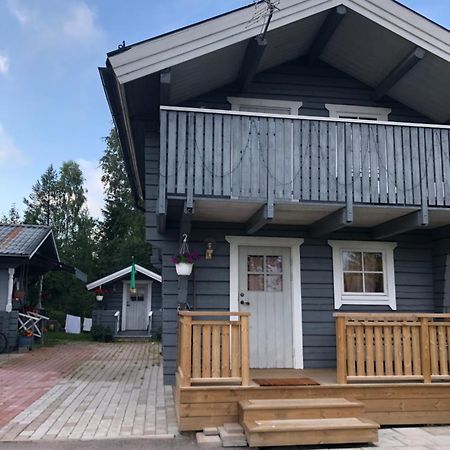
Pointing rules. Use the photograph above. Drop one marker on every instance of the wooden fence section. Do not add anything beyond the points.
(212, 350)
(243, 156)
(392, 347)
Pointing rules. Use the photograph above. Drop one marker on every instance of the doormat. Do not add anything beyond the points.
(286, 382)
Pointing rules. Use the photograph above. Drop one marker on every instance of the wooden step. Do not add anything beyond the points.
(304, 408)
(349, 430)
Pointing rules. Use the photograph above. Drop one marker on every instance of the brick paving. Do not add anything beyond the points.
(86, 391)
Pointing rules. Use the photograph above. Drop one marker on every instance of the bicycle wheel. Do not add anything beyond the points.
(3, 342)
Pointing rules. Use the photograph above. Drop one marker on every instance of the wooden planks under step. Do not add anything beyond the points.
(307, 408)
(265, 433)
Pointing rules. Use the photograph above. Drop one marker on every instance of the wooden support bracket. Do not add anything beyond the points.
(333, 222)
(165, 77)
(253, 55)
(263, 216)
(400, 225)
(399, 72)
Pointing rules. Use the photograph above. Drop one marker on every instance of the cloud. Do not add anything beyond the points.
(21, 13)
(94, 186)
(4, 64)
(9, 153)
(81, 25)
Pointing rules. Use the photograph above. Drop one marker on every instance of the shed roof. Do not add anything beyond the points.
(121, 273)
(24, 240)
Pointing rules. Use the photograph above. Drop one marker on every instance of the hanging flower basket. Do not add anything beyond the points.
(99, 298)
(99, 293)
(184, 261)
(19, 295)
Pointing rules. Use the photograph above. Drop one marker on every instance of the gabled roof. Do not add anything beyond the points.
(24, 240)
(121, 273)
(191, 42)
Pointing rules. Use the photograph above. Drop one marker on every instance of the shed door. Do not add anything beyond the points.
(265, 291)
(137, 310)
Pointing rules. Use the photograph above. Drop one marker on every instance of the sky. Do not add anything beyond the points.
(52, 105)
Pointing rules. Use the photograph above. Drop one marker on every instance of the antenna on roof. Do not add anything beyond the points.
(122, 45)
(264, 10)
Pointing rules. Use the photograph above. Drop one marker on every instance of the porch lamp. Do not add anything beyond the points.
(210, 247)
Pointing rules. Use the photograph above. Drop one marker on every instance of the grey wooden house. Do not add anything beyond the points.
(314, 158)
(125, 312)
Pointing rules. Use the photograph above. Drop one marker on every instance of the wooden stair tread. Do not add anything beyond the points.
(302, 403)
(270, 426)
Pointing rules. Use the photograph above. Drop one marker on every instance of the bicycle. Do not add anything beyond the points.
(3, 342)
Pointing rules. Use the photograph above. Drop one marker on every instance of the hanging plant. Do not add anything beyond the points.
(99, 293)
(185, 259)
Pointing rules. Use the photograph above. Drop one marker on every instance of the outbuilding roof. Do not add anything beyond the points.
(23, 240)
(121, 273)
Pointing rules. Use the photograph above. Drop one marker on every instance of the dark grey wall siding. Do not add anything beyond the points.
(105, 318)
(414, 285)
(314, 86)
(3, 289)
(441, 270)
(9, 326)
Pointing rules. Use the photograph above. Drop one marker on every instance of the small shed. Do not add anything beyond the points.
(126, 312)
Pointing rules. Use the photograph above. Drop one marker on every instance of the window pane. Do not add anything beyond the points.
(255, 263)
(352, 261)
(353, 282)
(274, 283)
(274, 264)
(256, 282)
(373, 262)
(374, 282)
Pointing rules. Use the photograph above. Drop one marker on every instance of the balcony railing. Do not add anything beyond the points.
(212, 350)
(209, 153)
(392, 347)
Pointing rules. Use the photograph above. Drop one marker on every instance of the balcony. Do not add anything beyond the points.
(271, 163)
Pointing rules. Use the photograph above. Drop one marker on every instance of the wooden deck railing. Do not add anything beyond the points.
(264, 158)
(212, 350)
(392, 347)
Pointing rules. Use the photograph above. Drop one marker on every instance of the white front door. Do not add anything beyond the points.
(265, 291)
(137, 309)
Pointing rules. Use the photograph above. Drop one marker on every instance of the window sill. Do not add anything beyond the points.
(366, 301)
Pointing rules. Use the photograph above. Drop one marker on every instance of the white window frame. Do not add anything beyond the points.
(362, 112)
(388, 298)
(237, 102)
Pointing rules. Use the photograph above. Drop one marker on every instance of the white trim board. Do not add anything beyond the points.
(121, 273)
(336, 111)
(294, 245)
(237, 102)
(199, 39)
(388, 298)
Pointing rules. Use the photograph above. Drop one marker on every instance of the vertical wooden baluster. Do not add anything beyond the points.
(196, 350)
(215, 360)
(417, 363)
(206, 351)
(398, 357)
(369, 351)
(186, 350)
(443, 362)
(406, 331)
(226, 351)
(351, 361)
(245, 348)
(425, 349)
(360, 356)
(235, 369)
(388, 355)
(434, 351)
(448, 343)
(341, 350)
(379, 358)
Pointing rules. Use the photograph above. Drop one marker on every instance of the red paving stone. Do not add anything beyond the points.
(25, 379)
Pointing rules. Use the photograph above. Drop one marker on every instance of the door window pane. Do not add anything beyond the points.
(274, 283)
(256, 282)
(274, 264)
(353, 282)
(255, 263)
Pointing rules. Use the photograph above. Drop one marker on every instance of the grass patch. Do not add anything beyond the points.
(57, 338)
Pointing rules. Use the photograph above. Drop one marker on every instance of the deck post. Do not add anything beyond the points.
(245, 364)
(186, 350)
(341, 350)
(425, 349)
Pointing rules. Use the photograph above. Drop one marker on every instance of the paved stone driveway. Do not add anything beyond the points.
(85, 391)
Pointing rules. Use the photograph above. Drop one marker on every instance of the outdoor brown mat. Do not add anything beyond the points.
(286, 382)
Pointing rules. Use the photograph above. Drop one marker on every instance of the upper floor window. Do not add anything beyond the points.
(263, 105)
(358, 112)
(363, 273)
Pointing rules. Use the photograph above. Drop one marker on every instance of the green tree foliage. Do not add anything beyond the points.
(122, 231)
(12, 216)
